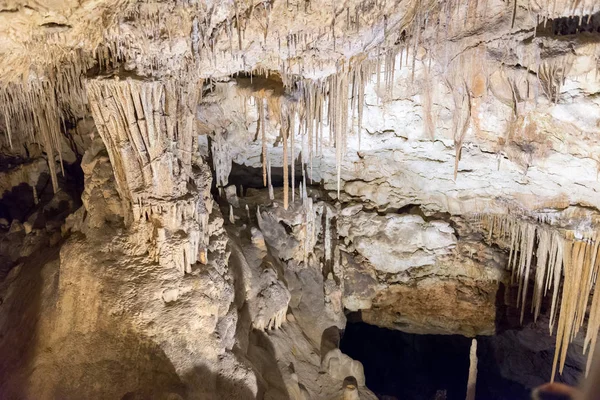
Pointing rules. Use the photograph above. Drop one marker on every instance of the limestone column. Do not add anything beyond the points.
(148, 129)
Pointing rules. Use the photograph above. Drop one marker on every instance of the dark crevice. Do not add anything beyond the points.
(415, 209)
(56, 25)
(406, 366)
(412, 209)
(8, 162)
(572, 25)
(251, 177)
(19, 202)
(272, 83)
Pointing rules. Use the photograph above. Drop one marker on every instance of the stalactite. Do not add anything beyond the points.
(221, 155)
(543, 249)
(462, 116)
(530, 234)
(417, 36)
(563, 256)
(594, 314)
(35, 193)
(378, 71)
(361, 102)
(8, 130)
(429, 124)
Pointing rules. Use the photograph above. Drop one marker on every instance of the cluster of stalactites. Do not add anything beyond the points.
(275, 322)
(173, 213)
(561, 256)
(170, 248)
(148, 129)
(336, 102)
(35, 111)
(550, 9)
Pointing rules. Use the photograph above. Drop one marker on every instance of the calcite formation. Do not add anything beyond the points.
(231, 180)
(148, 128)
(558, 248)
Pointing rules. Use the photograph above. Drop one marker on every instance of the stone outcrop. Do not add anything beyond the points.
(394, 244)
(231, 180)
(148, 130)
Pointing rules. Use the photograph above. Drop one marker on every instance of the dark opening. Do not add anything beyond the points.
(572, 25)
(250, 177)
(406, 366)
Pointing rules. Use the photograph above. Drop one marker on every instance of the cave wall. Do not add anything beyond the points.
(256, 170)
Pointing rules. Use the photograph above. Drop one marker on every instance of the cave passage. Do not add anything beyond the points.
(406, 366)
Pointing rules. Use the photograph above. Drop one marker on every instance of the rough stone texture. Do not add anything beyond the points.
(157, 332)
(436, 306)
(455, 292)
(429, 112)
(394, 244)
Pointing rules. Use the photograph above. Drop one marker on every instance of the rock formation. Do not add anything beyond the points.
(195, 196)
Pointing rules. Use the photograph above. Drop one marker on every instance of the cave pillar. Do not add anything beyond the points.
(148, 129)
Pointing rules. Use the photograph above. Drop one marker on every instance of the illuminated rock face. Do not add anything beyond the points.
(148, 129)
(408, 161)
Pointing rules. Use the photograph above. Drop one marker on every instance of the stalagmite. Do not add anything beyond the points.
(472, 382)
(284, 133)
(327, 239)
(271, 193)
(293, 157)
(304, 193)
(261, 120)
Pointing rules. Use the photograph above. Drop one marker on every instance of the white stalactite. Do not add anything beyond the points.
(563, 256)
